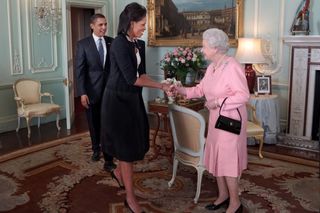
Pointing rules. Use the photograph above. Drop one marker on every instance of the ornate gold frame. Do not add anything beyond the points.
(153, 41)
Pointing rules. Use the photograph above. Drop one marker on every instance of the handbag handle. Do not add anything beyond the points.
(222, 105)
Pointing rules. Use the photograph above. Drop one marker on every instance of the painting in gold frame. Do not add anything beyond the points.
(167, 26)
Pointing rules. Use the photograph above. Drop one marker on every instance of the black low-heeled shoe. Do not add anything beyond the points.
(127, 206)
(113, 176)
(217, 206)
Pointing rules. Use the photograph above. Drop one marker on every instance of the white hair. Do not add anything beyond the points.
(216, 39)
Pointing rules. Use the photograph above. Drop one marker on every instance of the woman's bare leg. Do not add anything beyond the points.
(233, 187)
(223, 193)
(126, 169)
(117, 173)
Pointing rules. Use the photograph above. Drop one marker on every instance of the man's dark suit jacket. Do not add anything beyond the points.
(91, 76)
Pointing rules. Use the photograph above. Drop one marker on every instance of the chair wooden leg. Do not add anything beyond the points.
(39, 122)
(200, 171)
(260, 146)
(18, 127)
(28, 126)
(174, 173)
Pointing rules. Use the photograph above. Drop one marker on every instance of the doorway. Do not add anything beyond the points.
(80, 28)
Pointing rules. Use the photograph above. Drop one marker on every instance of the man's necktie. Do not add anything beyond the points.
(101, 51)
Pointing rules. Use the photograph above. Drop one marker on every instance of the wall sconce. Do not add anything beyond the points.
(48, 15)
(248, 53)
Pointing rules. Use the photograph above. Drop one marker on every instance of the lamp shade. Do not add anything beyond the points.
(249, 51)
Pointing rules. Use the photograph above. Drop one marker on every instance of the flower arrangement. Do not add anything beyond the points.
(177, 63)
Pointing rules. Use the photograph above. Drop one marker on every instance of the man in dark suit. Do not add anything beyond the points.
(92, 69)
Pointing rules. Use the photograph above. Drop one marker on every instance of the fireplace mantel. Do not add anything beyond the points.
(304, 54)
(301, 40)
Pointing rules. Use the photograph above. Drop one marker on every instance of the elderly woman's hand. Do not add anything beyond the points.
(168, 89)
(179, 90)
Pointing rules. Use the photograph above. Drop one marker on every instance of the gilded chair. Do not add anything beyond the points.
(188, 129)
(28, 96)
(254, 128)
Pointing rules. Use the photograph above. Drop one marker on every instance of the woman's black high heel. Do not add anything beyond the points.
(115, 177)
(127, 206)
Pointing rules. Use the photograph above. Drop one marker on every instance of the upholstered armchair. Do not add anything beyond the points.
(28, 96)
(188, 130)
(254, 128)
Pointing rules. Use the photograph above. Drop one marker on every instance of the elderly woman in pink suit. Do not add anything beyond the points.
(225, 152)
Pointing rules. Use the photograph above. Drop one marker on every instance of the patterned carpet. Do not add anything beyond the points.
(60, 177)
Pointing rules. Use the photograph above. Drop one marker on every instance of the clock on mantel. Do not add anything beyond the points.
(299, 40)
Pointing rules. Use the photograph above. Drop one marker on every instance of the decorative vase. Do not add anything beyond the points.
(190, 77)
(181, 76)
(251, 77)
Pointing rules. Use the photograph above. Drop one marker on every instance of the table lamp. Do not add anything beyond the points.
(248, 53)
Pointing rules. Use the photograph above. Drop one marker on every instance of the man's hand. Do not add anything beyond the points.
(85, 101)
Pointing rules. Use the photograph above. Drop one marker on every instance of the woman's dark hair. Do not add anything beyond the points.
(132, 12)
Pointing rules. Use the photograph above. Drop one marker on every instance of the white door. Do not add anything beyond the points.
(67, 63)
(66, 51)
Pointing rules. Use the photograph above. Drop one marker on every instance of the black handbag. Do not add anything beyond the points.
(228, 124)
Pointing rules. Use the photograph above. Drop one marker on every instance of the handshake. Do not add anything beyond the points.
(173, 88)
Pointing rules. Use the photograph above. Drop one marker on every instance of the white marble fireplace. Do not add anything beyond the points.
(305, 61)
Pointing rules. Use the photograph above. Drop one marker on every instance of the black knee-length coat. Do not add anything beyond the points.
(124, 122)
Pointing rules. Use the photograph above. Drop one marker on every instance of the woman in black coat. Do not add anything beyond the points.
(125, 127)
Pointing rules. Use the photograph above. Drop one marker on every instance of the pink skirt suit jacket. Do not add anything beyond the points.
(225, 153)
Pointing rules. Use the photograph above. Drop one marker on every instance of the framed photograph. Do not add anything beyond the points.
(181, 23)
(264, 84)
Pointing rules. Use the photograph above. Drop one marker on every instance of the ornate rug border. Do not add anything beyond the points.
(39, 147)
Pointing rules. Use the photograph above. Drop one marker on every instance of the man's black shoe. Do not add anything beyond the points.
(109, 166)
(95, 156)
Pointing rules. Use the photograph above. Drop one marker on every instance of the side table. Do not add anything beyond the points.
(267, 111)
(161, 110)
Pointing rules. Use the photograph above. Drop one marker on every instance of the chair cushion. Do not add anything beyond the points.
(41, 109)
(254, 129)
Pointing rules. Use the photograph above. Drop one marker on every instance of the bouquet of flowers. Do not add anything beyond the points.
(180, 61)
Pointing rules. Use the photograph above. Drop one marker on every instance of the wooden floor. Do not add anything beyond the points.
(11, 141)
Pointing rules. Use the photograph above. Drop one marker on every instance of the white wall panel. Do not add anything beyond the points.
(15, 38)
